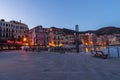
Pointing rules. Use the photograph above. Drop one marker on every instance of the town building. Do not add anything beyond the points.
(55, 37)
(12, 32)
(86, 39)
(114, 39)
(117, 39)
(69, 39)
(38, 36)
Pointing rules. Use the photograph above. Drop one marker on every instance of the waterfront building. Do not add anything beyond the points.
(94, 39)
(103, 40)
(117, 39)
(114, 39)
(38, 36)
(55, 37)
(69, 39)
(12, 32)
(86, 39)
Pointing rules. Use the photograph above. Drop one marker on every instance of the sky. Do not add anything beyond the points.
(88, 14)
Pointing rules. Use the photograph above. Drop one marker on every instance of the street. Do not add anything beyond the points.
(22, 65)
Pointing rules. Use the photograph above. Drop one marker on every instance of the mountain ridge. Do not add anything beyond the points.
(102, 31)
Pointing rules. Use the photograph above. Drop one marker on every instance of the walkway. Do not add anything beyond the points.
(21, 65)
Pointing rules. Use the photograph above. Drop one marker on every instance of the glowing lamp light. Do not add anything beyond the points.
(51, 44)
(24, 39)
(86, 50)
(60, 44)
(54, 45)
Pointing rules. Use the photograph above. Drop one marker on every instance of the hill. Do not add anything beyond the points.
(102, 31)
(108, 30)
(68, 31)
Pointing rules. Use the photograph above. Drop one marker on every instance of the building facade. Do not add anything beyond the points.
(55, 37)
(86, 39)
(38, 36)
(12, 31)
(113, 39)
(68, 39)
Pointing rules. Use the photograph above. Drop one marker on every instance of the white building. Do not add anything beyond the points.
(12, 29)
(12, 32)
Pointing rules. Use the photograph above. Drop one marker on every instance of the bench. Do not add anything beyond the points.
(100, 54)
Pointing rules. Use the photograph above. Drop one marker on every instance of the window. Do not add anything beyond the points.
(3, 24)
(9, 25)
(6, 24)
(0, 24)
(2, 35)
(17, 27)
(12, 26)
(21, 27)
(54, 37)
(2, 29)
(58, 37)
(55, 42)
(58, 42)
(19, 37)
(6, 34)
(6, 29)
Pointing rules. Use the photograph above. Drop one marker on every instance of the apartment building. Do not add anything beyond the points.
(69, 39)
(12, 32)
(38, 36)
(55, 36)
(13, 29)
(86, 39)
(113, 39)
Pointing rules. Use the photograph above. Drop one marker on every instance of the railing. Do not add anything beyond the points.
(112, 51)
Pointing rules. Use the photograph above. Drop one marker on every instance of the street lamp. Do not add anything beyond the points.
(24, 39)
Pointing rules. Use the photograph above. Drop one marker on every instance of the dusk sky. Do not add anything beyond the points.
(88, 14)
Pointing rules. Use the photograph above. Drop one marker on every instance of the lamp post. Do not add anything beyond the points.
(24, 41)
(77, 38)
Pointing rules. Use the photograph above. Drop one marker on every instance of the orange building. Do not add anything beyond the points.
(86, 39)
(55, 36)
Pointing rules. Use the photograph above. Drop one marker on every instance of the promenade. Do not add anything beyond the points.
(22, 65)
